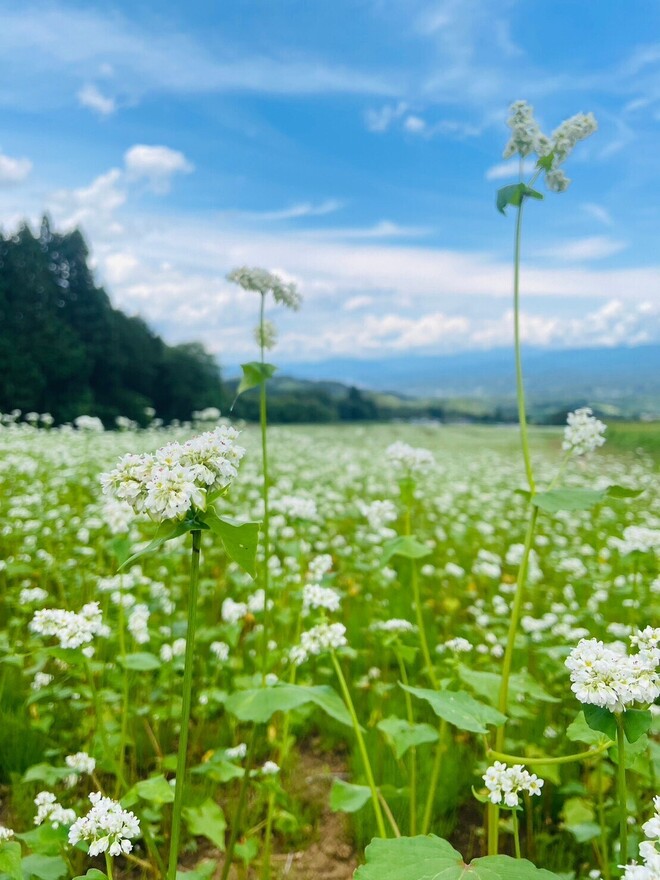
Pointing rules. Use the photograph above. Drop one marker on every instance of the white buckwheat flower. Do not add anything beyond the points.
(48, 810)
(264, 282)
(583, 432)
(5, 833)
(608, 677)
(318, 640)
(409, 458)
(107, 827)
(505, 783)
(71, 629)
(316, 596)
(81, 763)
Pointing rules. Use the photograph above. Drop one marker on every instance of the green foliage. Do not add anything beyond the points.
(10, 860)
(579, 499)
(67, 351)
(459, 709)
(348, 798)
(260, 704)
(240, 539)
(432, 858)
(207, 820)
(403, 735)
(514, 195)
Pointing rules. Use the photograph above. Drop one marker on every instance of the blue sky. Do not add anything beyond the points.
(353, 146)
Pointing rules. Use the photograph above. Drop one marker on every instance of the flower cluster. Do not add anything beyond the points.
(318, 640)
(5, 834)
(316, 596)
(49, 810)
(505, 783)
(71, 629)
(107, 827)
(583, 432)
(81, 763)
(262, 281)
(605, 676)
(649, 850)
(527, 137)
(176, 478)
(413, 459)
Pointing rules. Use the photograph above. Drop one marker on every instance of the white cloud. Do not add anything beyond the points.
(598, 212)
(293, 212)
(156, 164)
(93, 206)
(382, 229)
(381, 120)
(145, 61)
(414, 124)
(89, 96)
(594, 247)
(509, 170)
(358, 302)
(13, 171)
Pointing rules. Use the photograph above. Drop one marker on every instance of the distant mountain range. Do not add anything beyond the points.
(604, 375)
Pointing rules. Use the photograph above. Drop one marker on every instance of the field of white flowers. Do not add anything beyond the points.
(393, 559)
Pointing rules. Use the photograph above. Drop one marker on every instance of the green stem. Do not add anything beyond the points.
(516, 834)
(601, 821)
(265, 864)
(361, 746)
(417, 600)
(536, 759)
(182, 753)
(263, 422)
(435, 777)
(108, 865)
(513, 624)
(242, 797)
(621, 790)
(125, 697)
(520, 387)
(412, 760)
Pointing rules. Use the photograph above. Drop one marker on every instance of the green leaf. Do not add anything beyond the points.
(240, 539)
(403, 735)
(92, 874)
(45, 773)
(44, 867)
(254, 373)
(432, 858)
(636, 722)
(142, 661)
(203, 871)
(207, 820)
(459, 708)
(165, 532)
(545, 162)
(10, 860)
(579, 731)
(260, 704)
(513, 194)
(600, 719)
(248, 850)
(156, 790)
(348, 798)
(565, 498)
(404, 545)
(568, 499)
(45, 839)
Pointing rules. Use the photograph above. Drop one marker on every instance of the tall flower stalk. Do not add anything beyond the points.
(526, 139)
(285, 293)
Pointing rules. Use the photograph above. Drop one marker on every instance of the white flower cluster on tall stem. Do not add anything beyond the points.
(49, 810)
(607, 677)
(70, 628)
(262, 281)
(178, 477)
(315, 596)
(107, 827)
(649, 850)
(318, 640)
(5, 833)
(81, 763)
(583, 432)
(527, 137)
(408, 458)
(504, 783)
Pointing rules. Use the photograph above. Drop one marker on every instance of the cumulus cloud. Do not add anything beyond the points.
(509, 170)
(156, 164)
(594, 247)
(89, 96)
(13, 171)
